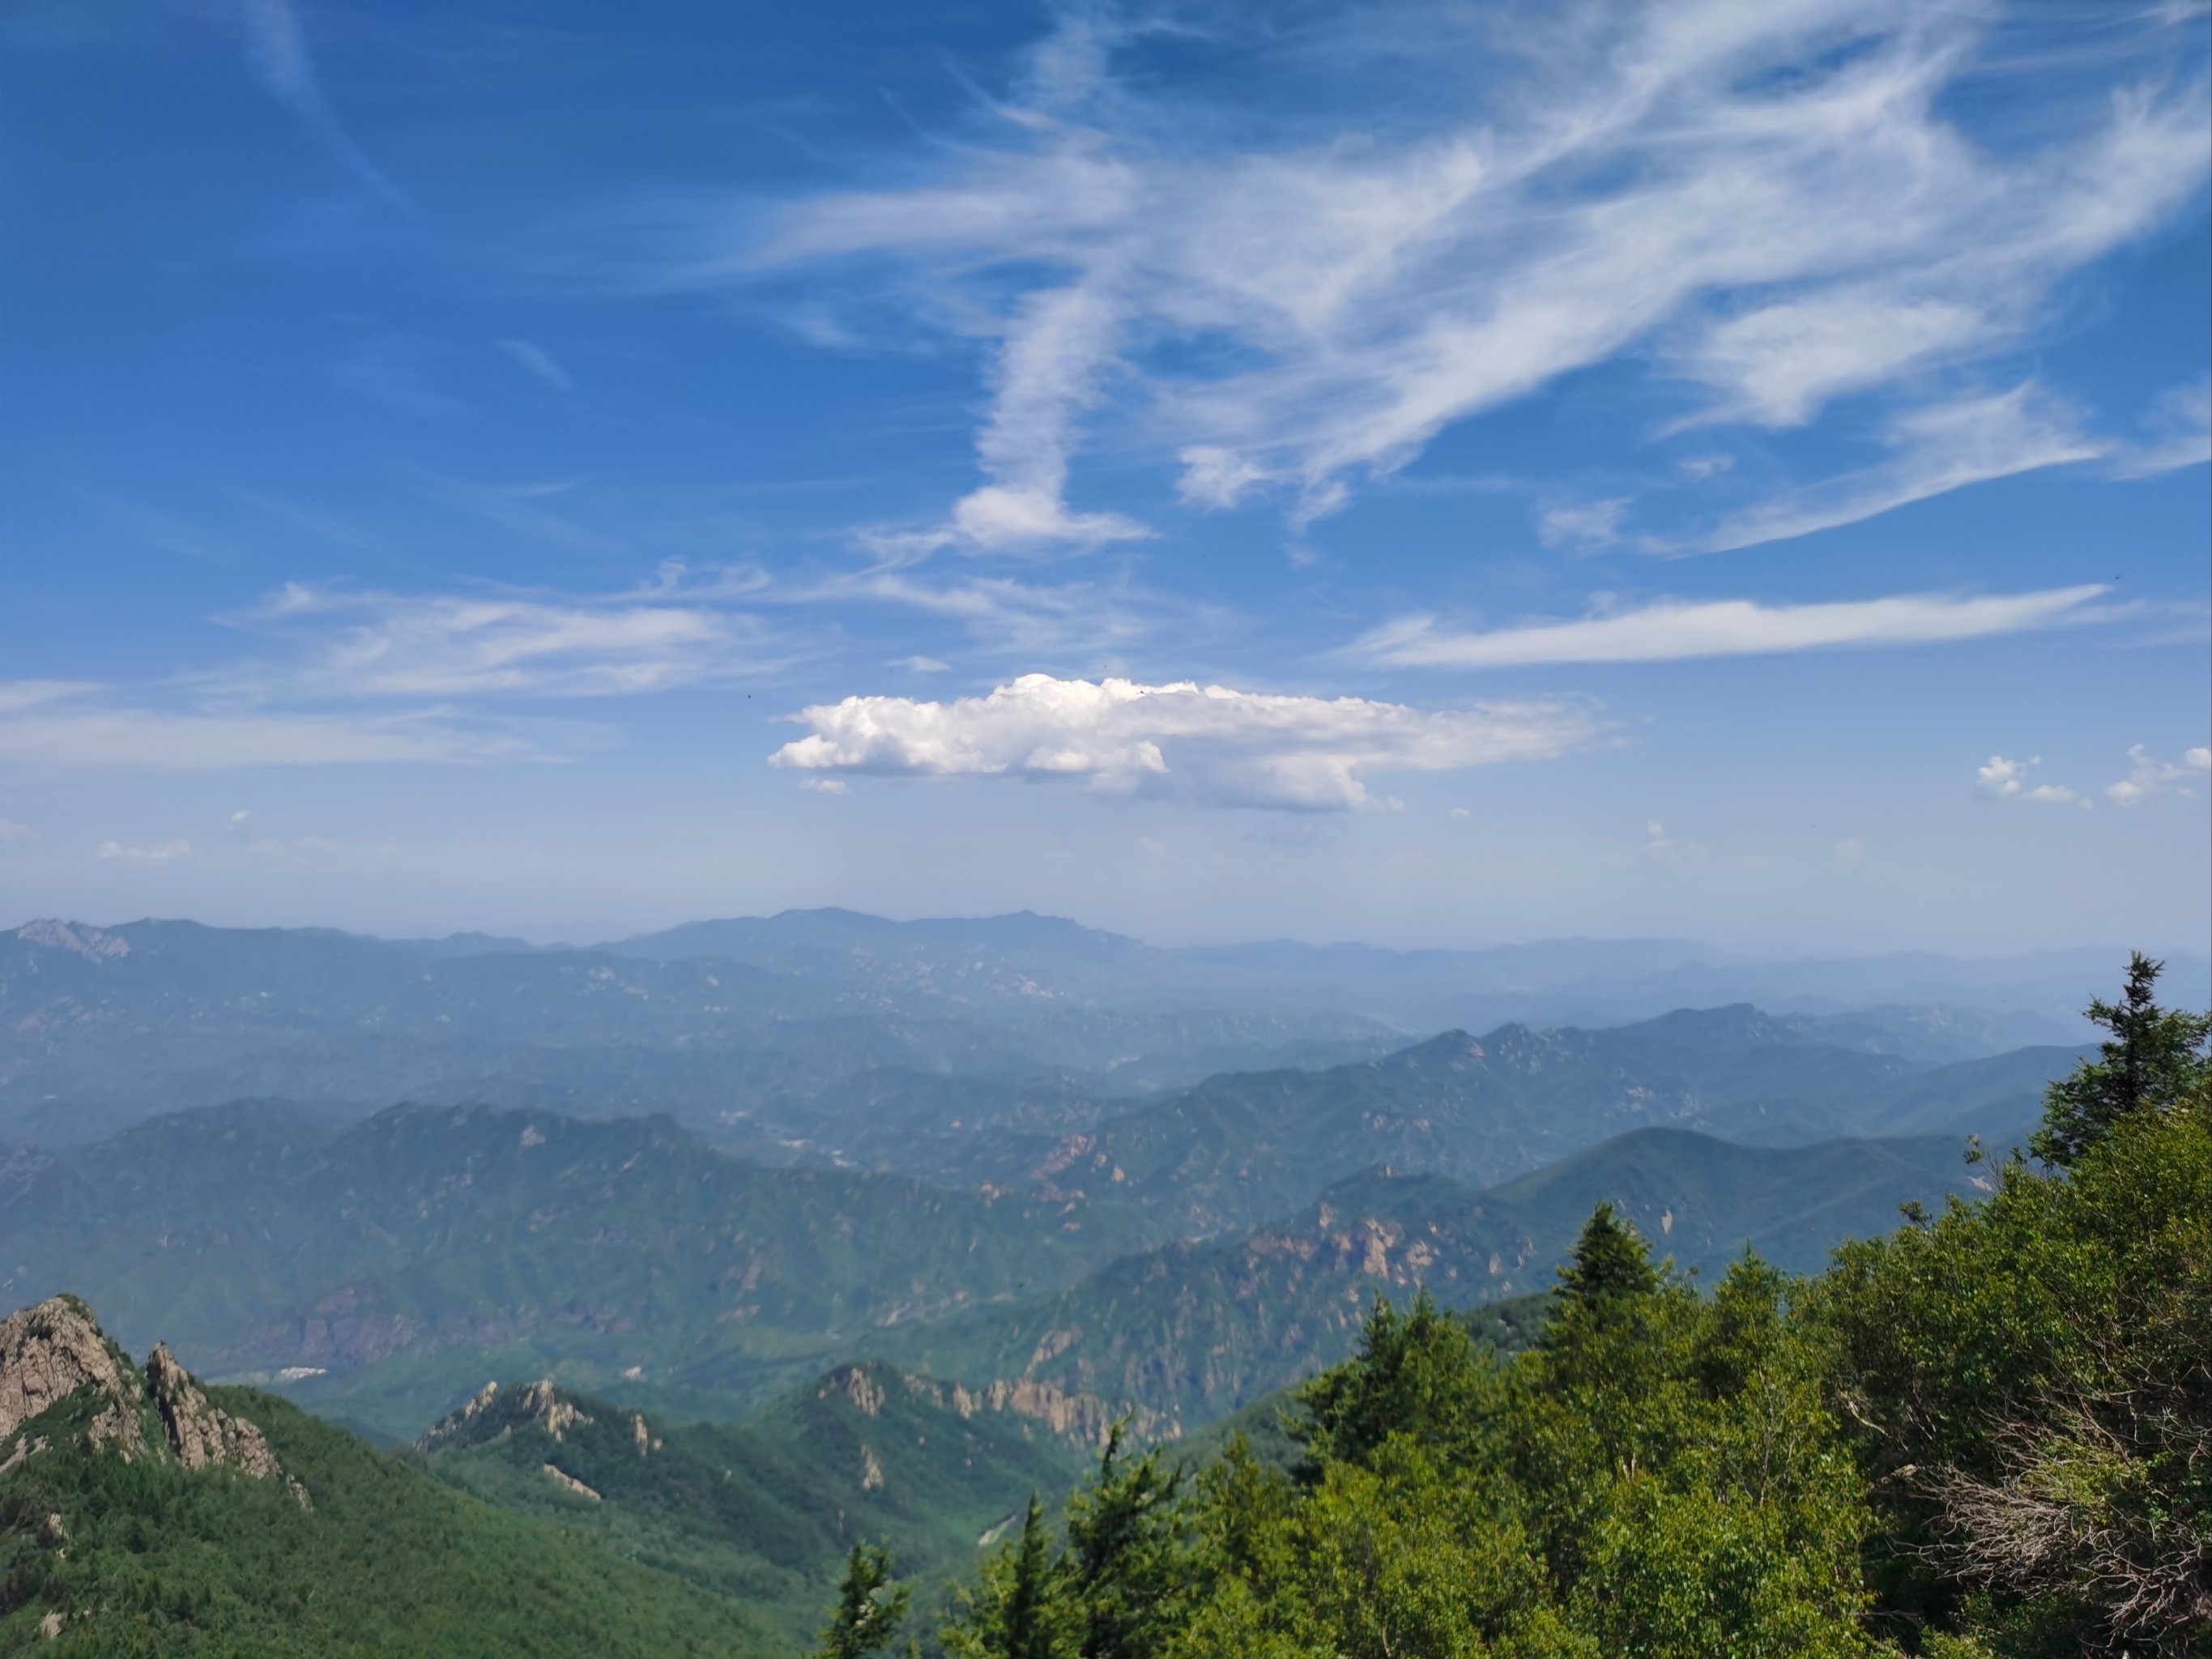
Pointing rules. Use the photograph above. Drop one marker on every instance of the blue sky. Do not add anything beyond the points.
(1426, 473)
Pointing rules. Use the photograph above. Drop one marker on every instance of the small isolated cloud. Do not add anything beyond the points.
(1588, 524)
(2148, 776)
(1205, 745)
(822, 786)
(1658, 844)
(12, 829)
(116, 851)
(2006, 780)
(1217, 477)
(1850, 853)
(1459, 813)
(537, 360)
(922, 666)
(1698, 467)
(1672, 629)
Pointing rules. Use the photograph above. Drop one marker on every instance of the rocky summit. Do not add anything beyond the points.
(55, 1351)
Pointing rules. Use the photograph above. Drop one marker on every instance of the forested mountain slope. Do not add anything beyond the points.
(765, 1510)
(288, 1540)
(454, 1244)
(1239, 1149)
(1194, 1330)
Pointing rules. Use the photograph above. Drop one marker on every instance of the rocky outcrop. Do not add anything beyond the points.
(490, 1414)
(47, 1353)
(204, 1436)
(57, 1349)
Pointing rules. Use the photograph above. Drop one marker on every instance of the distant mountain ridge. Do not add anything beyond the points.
(1239, 1149)
(764, 1032)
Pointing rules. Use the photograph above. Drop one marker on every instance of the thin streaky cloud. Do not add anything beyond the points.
(1676, 630)
(536, 362)
(1936, 449)
(277, 46)
(99, 735)
(346, 642)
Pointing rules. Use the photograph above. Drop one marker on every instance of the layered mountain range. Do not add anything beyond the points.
(709, 1254)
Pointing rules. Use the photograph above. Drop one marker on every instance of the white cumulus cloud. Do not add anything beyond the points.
(2149, 776)
(2006, 780)
(1206, 745)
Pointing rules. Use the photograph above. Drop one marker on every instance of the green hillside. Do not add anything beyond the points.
(1240, 1150)
(765, 1510)
(102, 1556)
(414, 1255)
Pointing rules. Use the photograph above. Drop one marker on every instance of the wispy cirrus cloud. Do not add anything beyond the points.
(1936, 448)
(346, 642)
(536, 362)
(1775, 206)
(277, 45)
(2179, 434)
(92, 727)
(1203, 745)
(352, 676)
(1672, 630)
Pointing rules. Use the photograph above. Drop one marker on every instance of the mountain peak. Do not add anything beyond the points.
(201, 1434)
(50, 1352)
(94, 943)
(492, 1412)
(56, 1349)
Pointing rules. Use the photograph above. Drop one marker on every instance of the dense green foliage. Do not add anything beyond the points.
(146, 1558)
(1988, 1435)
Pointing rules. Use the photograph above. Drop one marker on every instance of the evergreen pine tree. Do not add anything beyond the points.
(1416, 1374)
(1610, 1261)
(868, 1609)
(2154, 1058)
(1125, 1558)
(1021, 1610)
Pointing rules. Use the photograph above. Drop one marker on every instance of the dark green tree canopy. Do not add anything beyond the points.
(2155, 1057)
(1416, 1374)
(1610, 1261)
(869, 1608)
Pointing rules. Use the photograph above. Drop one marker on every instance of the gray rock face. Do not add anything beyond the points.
(199, 1433)
(50, 1352)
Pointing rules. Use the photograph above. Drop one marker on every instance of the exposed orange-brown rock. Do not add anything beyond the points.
(204, 1435)
(48, 1352)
